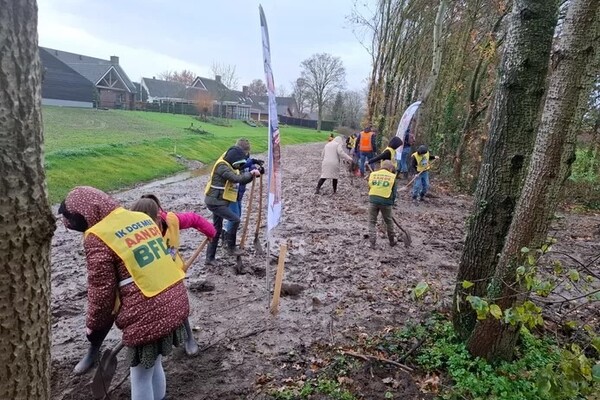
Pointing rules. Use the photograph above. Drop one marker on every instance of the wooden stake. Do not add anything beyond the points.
(247, 221)
(278, 279)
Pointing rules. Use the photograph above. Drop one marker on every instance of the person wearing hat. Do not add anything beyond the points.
(251, 163)
(421, 163)
(389, 153)
(222, 190)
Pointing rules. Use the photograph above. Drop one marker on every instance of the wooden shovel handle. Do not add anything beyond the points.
(247, 220)
(260, 207)
(189, 263)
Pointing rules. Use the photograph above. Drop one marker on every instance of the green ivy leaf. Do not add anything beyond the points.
(521, 270)
(596, 343)
(596, 372)
(496, 311)
(467, 284)
(531, 259)
(420, 290)
(574, 275)
(525, 250)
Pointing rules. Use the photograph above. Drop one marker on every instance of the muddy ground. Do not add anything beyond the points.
(349, 289)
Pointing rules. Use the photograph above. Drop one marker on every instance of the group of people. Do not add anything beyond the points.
(135, 271)
(382, 181)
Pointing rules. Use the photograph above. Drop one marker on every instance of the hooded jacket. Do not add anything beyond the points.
(235, 156)
(143, 320)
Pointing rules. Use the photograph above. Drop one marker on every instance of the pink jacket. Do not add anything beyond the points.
(192, 220)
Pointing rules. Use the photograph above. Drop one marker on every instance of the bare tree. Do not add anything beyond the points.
(27, 222)
(227, 73)
(184, 76)
(281, 91)
(257, 88)
(323, 75)
(302, 97)
(354, 106)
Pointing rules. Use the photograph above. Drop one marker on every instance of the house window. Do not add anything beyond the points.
(122, 98)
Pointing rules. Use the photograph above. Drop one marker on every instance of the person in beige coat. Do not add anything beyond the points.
(332, 154)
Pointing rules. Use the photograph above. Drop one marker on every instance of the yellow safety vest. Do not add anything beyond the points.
(137, 240)
(422, 161)
(381, 183)
(352, 142)
(230, 190)
(171, 236)
(392, 154)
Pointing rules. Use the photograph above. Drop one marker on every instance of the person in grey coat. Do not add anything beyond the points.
(221, 190)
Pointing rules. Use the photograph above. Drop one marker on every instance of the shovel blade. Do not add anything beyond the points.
(105, 373)
(258, 247)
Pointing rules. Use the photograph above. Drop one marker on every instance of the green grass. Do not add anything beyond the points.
(115, 148)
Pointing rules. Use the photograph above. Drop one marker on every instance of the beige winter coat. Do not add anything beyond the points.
(332, 154)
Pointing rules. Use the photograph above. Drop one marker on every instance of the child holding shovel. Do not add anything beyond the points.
(420, 163)
(382, 195)
(126, 255)
(170, 223)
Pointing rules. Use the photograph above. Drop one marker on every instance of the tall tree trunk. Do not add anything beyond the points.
(26, 222)
(491, 338)
(515, 110)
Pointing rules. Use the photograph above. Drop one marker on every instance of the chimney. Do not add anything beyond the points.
(153, 78)
(218, 78)
(114, 60)
(245, 91)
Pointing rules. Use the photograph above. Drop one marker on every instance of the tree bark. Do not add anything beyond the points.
(491, 338)
(515, 110)
(26, 221)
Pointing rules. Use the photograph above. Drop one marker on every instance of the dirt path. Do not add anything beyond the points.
(349, 287)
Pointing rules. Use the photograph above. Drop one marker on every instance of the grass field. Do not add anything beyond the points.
(114, 149)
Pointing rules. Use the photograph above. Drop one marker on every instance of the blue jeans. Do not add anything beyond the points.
(404, 161)
(421, 185)
(235, 208)
(362, 159)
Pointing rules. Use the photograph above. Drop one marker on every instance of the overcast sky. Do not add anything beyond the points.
(151, 36)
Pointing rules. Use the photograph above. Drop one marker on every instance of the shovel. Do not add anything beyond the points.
(105, 372)
(407, 238)
(257, 245)
(247, 220)
(189, 262)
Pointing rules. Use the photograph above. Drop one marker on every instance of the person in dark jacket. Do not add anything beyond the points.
(221, 190)
(420, 163)
(389, 153)
(382, 195)
(133, 281)
(251, 163)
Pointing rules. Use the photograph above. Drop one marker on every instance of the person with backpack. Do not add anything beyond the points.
(366, 147)
(133, 281)
(420, 164)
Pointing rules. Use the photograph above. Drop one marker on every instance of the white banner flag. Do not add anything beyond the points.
(274, 167)
(404, 124)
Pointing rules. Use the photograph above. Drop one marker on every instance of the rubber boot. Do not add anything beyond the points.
(230, 245)
(211, 252)
(392, 241)
(191, 347)
(405, 174)
(87, 362)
